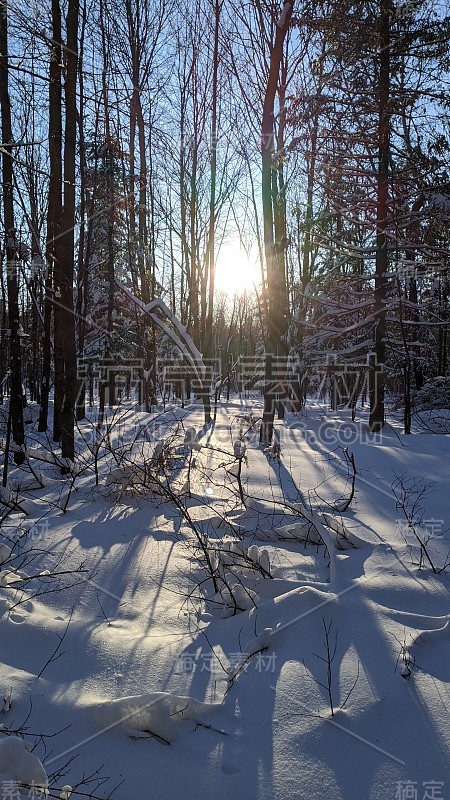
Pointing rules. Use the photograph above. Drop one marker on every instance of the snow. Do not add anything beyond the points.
(440, 203)
(170, 688)
(282, 20)
(159, 714)
(18, 765)
(180, 337)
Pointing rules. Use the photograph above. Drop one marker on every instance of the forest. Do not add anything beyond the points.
(146, 144)
(224, 399)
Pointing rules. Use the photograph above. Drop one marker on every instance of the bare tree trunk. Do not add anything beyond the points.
(109, 378)
(15, 425)
(377, 376)
(82, 264)
(442, 331)
(212, 200)
(53, 242)
(280, 237)
(208, 333)
(68, 346)
(276, 278)
(185, 256)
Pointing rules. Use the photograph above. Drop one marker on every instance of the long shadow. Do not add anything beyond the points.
(246, 751)
(290, 490)
(386, 719)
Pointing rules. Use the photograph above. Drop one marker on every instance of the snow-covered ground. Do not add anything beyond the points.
(130, 675)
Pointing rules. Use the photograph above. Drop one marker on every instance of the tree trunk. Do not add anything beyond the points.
(276, 278)
(68, 347)
(82, 262)
(109, 375)
(208, 341)
(53, 242)
(377, 376)
(15, 394)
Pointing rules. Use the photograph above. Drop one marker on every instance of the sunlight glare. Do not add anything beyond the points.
(236, 270)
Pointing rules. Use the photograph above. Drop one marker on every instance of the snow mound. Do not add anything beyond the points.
(158, 713)
(18, 764)
(435, 634)
(131, 476)
(344, 538)
(256, 645)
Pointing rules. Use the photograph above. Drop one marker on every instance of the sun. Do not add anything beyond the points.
(237, 271)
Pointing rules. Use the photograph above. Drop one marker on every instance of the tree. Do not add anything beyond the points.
(63, 239)
(377, 381)
(15, 423)
(208, 337)
(276, 278)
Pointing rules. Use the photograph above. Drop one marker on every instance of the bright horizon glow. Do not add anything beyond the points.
(236, 270)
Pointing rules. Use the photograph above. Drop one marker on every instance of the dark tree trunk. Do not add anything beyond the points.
(82, 262)
(276, 278)
(110, 374)
(15, 395)
(377, 377)
(208, 341)
(53, 245)
(68, 347)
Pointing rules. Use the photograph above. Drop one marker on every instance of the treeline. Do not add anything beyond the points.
(139, 136)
